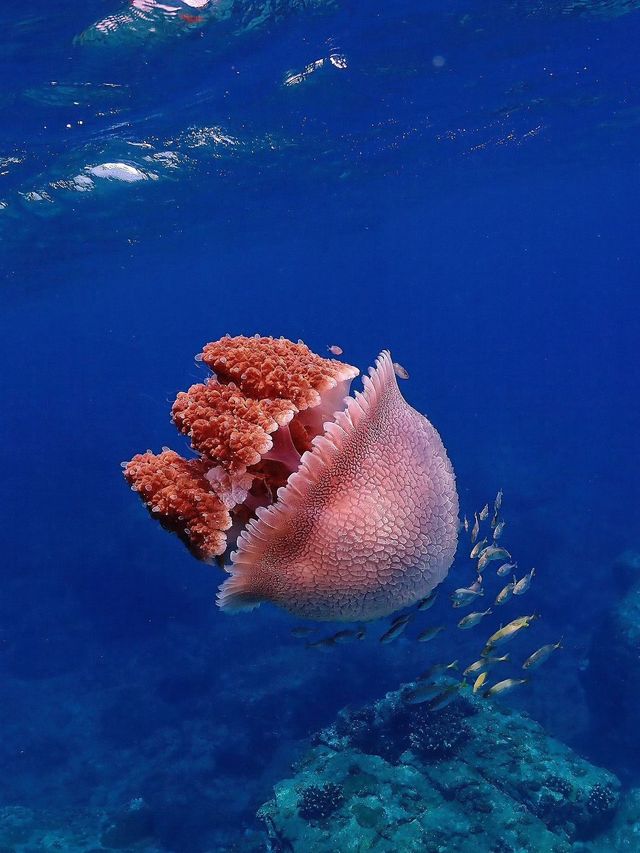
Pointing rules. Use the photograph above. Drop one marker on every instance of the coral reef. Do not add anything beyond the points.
(316, 803)
(472, 776)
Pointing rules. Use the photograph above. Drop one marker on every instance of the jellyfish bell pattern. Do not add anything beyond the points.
(331, 507)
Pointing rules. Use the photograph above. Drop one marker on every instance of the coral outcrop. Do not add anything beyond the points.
(471, 776)
(613, 672)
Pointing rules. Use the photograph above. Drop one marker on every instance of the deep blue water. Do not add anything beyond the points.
(464, 192)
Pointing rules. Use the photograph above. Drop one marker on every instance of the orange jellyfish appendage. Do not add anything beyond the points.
(249, 423)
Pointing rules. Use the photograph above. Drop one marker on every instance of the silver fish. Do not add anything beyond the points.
(493, 552)
(504, 687)
(400, 371)
(476, 528)
(429, 634)
(507, 632)
(506, 569)
(505, 593)
(394, 631)
(349, 634)
(422, 693)
(524, 583)
(498, 501)
(541, 655)
(497, 530)
(465, 595)
(447, 696)
(465, 524)
(428, 602)
(484, 513)
(437, 669)
(484, 664)
(477, 548)
(472, 619)
(323, 644)
(480, 680)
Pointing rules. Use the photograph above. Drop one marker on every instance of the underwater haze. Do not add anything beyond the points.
(456, 182)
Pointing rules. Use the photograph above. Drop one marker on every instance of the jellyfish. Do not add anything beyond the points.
(330, 506)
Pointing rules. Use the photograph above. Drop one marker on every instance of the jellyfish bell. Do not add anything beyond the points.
(331, 507)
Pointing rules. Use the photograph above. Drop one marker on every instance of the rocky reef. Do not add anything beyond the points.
(475, 775)
(612, 674)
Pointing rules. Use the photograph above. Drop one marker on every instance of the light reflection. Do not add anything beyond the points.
(337, 60)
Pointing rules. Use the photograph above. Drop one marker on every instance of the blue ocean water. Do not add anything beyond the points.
(457, 182)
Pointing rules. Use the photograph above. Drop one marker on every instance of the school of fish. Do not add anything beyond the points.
(438, 685)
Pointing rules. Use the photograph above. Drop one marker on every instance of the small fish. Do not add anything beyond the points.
(484, 513)
(428, 602)
(524, 583)
(505, 569)
(465, 524)
(394, 631)
(538, 658)
(484, 664)
(477, 548)
(493, 552)
(472, 619)
(494, 520)
(497, 530)
(476, 528)
(505, 593)
(429, 634)
(504, 687)
(301, 631)
(404, 617)
(464, 596)
(437, 669)
(323, 644)
(422, 693)
(347, 635)
(447, 695)
(497, 502)
(480, 680)
(476, 586)
(334, 349)
(400, 371)
(508, 632)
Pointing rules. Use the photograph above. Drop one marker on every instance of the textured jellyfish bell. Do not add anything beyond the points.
(338, 515)
(367, 524)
